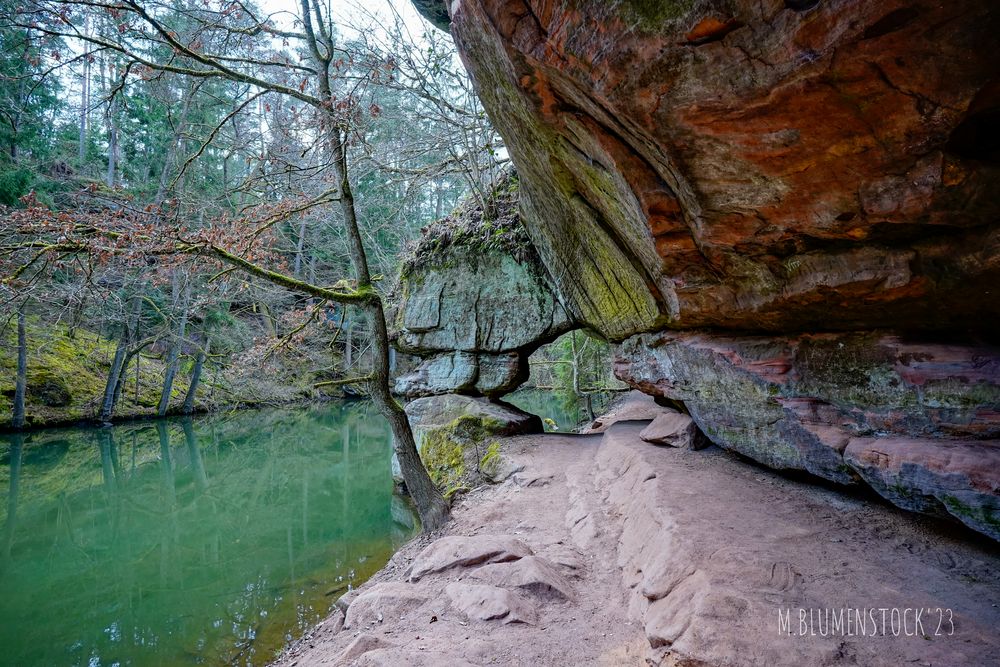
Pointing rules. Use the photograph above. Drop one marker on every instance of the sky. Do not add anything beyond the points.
(351, 12)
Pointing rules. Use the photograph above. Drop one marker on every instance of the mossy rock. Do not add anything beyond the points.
(460, 455)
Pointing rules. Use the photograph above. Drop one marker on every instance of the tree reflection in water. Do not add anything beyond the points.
(218, 541)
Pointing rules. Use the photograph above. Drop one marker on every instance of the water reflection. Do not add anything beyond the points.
(190, 542)
(562, 411)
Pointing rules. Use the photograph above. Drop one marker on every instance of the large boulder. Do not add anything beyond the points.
(475, 301)
(495, 417)
(633, 407)
(672, 428)
(457, 438)
(918, 422)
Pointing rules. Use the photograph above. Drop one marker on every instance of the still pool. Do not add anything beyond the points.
(183, 542)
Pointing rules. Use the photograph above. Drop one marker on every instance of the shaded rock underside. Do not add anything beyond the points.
(752, 165)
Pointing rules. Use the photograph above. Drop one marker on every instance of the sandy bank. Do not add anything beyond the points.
(607, 550)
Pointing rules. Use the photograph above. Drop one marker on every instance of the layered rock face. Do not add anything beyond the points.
(752, 165)
(478, 315)
(806, 187)
(918, 422)
(476, 302)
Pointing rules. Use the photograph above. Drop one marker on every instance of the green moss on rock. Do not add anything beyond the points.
(455, 454)
(490, 224)
(654, 13)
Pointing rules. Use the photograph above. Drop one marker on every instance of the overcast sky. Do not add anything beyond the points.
(355, 12)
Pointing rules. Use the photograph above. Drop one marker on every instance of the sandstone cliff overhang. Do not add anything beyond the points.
(918, 422)
(760, 166)
(772, 179)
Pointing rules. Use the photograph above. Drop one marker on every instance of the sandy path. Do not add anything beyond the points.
(676, 557)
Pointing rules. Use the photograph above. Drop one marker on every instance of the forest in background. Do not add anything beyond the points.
(126, 153)
(91, 134)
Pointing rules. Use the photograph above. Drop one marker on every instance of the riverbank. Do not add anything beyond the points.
(604, 549)
(67, 375)
(139, 417)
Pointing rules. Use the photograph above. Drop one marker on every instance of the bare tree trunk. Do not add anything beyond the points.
(173, 358)
(299, 246)
(199, 362)
(576, 364)
(431, 506)
(170, 162)
(113, 144)
(111, 386)
(113, 148)
(21, 381)
(84, 104)
(77, 316)
(112, 389)
(122, 378)
(266, 319)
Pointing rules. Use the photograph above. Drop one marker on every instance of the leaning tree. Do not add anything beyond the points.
(299, 62)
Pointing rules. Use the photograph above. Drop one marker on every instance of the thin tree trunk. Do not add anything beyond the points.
(122, 379)
(111, 386)
(299, 246)
(84, 105)
(113, 147)
(116, 376)
(173, 358)
(266, 319)
(21, 381)
(75, 320)
(133, 353)
(170, 162)
(576, 364)
(195, 379)
(431, 506)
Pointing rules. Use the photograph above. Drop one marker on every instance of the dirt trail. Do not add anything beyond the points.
(605, 550)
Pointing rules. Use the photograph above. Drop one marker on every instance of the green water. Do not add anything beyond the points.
(212, 541)
(560, 411)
